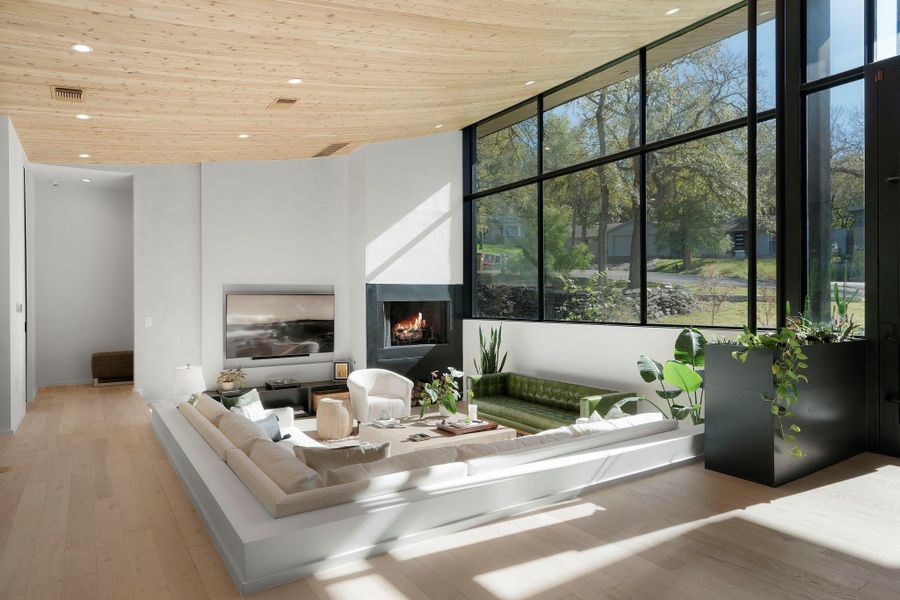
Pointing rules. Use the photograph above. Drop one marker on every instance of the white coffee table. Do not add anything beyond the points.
(399, 436)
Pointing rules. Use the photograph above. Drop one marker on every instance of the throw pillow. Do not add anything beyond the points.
(324, 460)
(242, 400)
(270, 427)
(615, 413)
(252, 410)
(283, 468)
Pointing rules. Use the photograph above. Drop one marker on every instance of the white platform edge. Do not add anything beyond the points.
(260, 551)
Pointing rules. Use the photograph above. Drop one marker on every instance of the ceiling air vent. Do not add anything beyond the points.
(331, 149)
(68, 94)
(281, 103)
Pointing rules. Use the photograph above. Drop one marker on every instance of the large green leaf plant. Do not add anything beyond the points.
(680, 379)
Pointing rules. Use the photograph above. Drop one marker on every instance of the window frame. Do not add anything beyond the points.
(789, 116)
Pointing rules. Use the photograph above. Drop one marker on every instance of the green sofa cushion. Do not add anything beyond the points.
(554, 394)
(514, 410)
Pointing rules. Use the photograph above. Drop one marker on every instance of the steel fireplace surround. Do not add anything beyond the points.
(414, 329)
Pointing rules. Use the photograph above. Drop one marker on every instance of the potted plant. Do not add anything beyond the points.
(681, 375)
(442, 390)
(490, 352)
(231, 378)
(783, 404)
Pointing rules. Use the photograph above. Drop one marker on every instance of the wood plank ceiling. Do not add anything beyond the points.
(180, 80)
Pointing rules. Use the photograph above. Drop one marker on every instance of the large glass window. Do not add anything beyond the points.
(835, 32)
(835, 142)
(887, 29)
(697, 232)
(698, 79)
(766, 239)
(506, 148)
(593, 117)
(766, 50)
(506, 254)
(591, 246)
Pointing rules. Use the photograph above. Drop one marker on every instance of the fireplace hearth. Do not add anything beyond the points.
(414, 323)
(413, 329)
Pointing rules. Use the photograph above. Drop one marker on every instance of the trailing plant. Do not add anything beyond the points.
(788, 343)
(236, 376)
(442, 390)
(490, 350)
(683, 374)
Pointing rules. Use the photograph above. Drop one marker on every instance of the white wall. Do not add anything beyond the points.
(12, 278)
(406, 218)
(166, 273)
(83, 268)
(274, 222)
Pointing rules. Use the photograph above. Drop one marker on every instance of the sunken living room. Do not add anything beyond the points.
(501, 300)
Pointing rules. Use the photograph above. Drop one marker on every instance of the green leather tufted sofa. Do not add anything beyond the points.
(530, 404)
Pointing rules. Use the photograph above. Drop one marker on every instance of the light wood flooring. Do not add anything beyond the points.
(90, 508)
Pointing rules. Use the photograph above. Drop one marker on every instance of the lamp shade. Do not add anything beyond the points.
(188, 380)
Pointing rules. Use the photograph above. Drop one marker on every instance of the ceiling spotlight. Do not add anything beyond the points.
(84, 156)
(83, 117)
(672, 11)
(439, 126)
(532, 82)
(83, 48)
(295, 81)
(244, 136)
(86, 180)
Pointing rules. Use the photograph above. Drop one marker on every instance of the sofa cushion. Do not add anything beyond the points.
(560, 446)
(324, 460)
(216, 440)
(402, 462)
(269, 426)
(468, 452)
(243, 400)
(281, 466)
(515, 410)
(252, 410)
(210, 409)
(557, 394)
(242, 432)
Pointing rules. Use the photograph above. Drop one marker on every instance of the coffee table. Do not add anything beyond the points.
(400, 444)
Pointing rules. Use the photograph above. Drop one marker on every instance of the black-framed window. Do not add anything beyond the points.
(728, 155)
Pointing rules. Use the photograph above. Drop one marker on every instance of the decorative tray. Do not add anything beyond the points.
(454, 429)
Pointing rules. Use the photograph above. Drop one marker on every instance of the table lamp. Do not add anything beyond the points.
(188, 381)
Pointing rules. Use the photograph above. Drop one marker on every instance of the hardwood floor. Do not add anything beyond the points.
(90, 508)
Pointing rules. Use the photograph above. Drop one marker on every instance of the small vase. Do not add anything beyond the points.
(227, 386)
(445, 413)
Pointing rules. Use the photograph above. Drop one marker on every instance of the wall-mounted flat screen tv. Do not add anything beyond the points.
(262, 326)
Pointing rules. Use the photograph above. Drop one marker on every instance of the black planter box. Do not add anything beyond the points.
(742, 436)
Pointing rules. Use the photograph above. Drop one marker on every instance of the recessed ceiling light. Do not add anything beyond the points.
(83, 117)
(244, 136)
(83, 48)
(439, 126)
(672, 11)
(295, 81)
(86, 180)
(84, 156)
(532, 82)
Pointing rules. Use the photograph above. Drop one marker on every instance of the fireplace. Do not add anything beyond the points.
(411, 323)
(413, 329)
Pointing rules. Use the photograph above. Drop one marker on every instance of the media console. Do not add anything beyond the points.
(297, 395)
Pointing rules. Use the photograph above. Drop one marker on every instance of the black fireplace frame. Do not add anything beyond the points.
(413, 361)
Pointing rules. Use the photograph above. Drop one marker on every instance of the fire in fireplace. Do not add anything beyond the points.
(413, 323)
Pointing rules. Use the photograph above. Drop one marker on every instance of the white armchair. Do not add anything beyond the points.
(376, 390)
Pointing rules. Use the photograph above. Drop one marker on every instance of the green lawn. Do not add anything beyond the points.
(728, 267)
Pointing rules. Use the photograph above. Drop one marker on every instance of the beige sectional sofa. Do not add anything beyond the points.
(285, 485)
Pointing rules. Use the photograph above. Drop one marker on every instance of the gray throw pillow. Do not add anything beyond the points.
(270, 427)
(323, 460)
